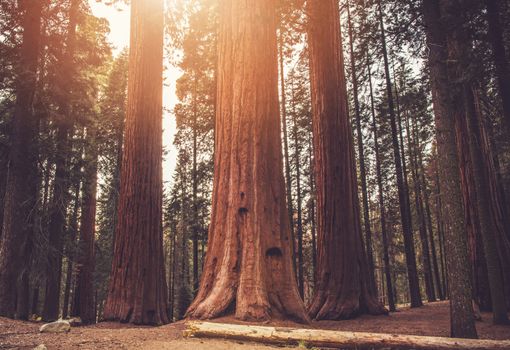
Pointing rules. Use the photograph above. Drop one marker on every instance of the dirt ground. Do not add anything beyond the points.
(432, 319)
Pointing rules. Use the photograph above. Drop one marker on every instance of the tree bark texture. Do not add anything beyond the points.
(137, 291)
(21, 182)
(481, 292)
(462, 323)
(496, 193)
(343, 284)
(248, 269)
(488, 226)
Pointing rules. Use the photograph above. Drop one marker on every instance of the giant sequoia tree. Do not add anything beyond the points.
(21, 186)
(248, 268)
(343, 287)
(137, 291)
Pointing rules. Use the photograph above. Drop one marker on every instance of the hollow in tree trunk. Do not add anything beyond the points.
(343, 287)
(248, 269)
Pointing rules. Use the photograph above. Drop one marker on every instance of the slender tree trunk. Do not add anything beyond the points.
(382, 208)
(420, 211)
(311, 211)
(361, 155)
(297, 164)
(171, 294)
(194, 194)
(440, 233)
(84, 302)
(248, 268)
(288, 180)
(137, 292)
(495, 34)
(412, 273)
(70, 251)
(21, 182)
(61, 184)
(458, 268)
(430, 228)
(343, 283)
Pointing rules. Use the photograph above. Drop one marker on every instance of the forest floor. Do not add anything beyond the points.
(431, 319)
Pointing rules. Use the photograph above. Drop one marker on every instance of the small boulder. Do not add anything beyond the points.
(59, 326)
(40, 347)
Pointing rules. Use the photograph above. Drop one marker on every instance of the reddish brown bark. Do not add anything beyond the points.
(343, 287)
(497, 199)
(248, 269)
(488, 225)
(481, 292)
(21, 183)
(137, 291)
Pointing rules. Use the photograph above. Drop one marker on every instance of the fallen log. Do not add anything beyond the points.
(334, 339)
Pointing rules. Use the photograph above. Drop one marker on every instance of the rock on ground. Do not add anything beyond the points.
(59, 326)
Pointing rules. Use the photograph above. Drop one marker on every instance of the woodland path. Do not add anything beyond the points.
(432, 319)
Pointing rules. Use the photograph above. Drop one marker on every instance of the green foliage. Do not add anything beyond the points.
(188, 205)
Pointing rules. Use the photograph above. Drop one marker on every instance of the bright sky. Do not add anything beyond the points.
(119, 19)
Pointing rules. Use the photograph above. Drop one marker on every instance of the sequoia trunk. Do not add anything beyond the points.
(248, 268)
(343, 287)
(137, 291)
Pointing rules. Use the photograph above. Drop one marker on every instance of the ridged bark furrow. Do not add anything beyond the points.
(137, 292)
(248, 269)
(343, 288)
